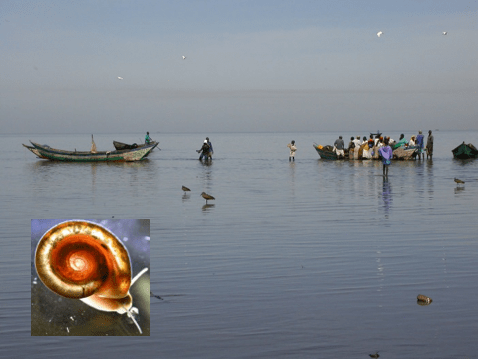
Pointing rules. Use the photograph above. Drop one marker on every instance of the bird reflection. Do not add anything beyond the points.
(207, 207)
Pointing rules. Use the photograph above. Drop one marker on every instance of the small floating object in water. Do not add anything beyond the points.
(154, 295)
(207, 197)
(185, 189)
(459, 181)
(423, 299)
(374, 355)
(120, 78)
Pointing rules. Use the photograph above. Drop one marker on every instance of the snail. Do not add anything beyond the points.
(83, 260)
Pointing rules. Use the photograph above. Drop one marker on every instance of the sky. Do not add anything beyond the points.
(251, 66)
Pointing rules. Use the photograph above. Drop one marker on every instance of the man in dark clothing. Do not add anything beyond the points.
(339, 147)
(204, 151)
(430, 144)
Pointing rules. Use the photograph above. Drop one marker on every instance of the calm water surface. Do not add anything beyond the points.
(311, 259)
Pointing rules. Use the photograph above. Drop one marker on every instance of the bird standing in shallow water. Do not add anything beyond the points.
(207, 196)
(459, 181)
(374, 355)
(185, 189)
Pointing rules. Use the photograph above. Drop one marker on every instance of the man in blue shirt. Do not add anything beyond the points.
(419, 142)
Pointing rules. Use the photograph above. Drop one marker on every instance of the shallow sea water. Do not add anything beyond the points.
(306, 259)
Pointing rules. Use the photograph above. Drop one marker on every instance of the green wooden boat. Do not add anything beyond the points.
(34, 151)
(327, 153)
(465, 151)
(54, 154)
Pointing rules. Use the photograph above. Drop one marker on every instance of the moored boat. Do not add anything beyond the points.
(124, 146)
(405, 153)
(465, 151)
(401, 153)
(34, 151)
(328, 153)
(54, 154)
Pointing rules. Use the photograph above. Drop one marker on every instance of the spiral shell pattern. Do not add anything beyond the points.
(77, 259)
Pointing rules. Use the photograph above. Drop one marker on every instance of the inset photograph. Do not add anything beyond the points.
(90, 277)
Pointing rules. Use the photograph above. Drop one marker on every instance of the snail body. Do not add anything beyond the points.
(83, 260)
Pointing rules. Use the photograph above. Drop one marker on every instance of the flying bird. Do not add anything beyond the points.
(444, 32)
(184, 57)
(459, 181)
(185, 189)
(207, 197)
(120, 78)
(379, 33)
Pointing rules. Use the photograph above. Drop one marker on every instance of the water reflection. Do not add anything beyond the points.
(207, 207)
(386, 196)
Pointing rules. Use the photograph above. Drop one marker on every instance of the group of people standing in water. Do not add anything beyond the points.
(383, 147)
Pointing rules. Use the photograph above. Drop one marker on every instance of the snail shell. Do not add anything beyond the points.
(83, 260)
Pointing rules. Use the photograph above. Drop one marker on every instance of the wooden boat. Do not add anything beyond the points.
(34, 151)
(54, 154)
(465, 151)
(124, 146)
(405, 153)
(327, 152)
(401, 153)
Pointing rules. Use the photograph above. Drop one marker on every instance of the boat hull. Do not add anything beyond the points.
(328, 154)
(124, 146)
(401, 154)
(105, 156)
(465, 151)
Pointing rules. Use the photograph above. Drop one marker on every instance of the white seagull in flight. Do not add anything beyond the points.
(120, 78)
(379, 33)
(184, 57)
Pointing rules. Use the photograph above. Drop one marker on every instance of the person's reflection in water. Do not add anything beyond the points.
(386, 196)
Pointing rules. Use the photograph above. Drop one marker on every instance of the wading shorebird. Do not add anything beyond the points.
(459, 181)
(207, 196)
(424, 299)
(185, 189)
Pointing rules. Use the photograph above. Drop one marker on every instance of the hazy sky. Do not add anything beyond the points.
(259, 65)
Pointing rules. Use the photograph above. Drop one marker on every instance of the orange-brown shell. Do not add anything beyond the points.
(77, 259)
